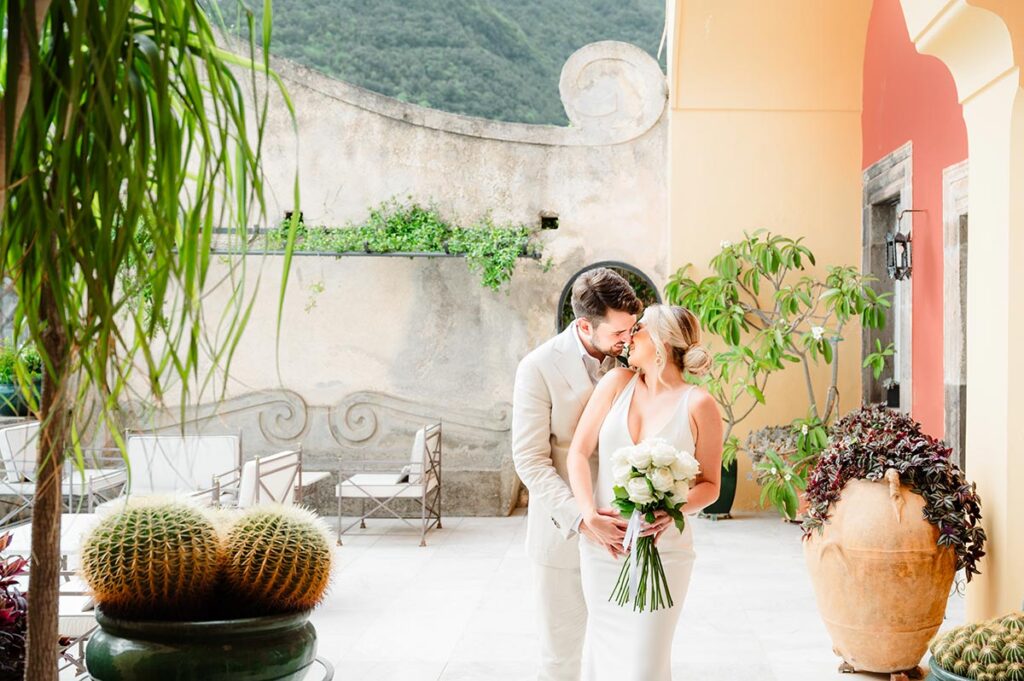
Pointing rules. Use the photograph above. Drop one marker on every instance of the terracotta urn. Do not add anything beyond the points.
(880, 578)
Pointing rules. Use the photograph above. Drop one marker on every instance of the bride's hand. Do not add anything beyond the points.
(606, 527)
(662, 521)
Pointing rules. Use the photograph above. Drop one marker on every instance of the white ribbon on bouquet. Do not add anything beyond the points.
(628, 545)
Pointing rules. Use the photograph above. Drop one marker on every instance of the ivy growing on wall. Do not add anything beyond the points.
(393, 227)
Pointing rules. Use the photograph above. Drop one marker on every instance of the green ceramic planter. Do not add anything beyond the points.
(937, 673)
(723, 507)
(276, 648)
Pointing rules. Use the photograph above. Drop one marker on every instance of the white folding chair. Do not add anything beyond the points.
(419, 479)
(19, 452)
(263, 480)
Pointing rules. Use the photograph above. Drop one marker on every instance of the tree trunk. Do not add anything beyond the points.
(44, 590)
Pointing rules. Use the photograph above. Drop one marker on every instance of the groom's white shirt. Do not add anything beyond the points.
(553, 384)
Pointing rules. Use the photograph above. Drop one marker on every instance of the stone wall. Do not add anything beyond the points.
(373, 347)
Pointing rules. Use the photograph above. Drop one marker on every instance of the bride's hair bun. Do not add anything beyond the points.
(697, 360)
(678, 328)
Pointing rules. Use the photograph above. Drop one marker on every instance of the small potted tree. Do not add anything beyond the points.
(182, 595)
(768, 314)
(891, 519)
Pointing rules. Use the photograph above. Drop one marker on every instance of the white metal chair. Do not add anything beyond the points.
(168, 464)
(263, 480)
(19, 452)
(381, 487)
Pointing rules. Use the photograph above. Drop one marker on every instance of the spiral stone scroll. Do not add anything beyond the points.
(356, 420)
(282, 416)
(612, 91)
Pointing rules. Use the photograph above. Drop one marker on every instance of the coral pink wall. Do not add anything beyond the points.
(910, 96)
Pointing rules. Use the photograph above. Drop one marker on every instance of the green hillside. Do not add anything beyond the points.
(498, 59)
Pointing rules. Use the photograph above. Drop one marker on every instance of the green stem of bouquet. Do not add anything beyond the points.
(653, 580)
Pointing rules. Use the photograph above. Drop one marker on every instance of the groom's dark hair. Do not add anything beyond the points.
(598, 290)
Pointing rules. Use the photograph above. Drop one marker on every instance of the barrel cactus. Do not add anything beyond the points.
(278, 560)
(153, 561)
(989, 651)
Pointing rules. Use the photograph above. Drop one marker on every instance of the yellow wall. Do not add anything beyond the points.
(765, 132)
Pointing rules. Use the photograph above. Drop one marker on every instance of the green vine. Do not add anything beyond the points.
(392, 227)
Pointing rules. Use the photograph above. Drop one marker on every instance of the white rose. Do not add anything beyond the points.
(662, 479)
(685, 467)
(817, 332)
(621, 456)
(680, 491)
(621, 473)
(804, 429)
(640, 458)
(638, 491)
(663, 454)
(725, 244)
(775, 471)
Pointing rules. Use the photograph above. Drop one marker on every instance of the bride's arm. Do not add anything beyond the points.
(584, 443)
(708, 438)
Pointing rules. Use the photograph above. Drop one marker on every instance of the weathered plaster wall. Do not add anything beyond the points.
(387, 343)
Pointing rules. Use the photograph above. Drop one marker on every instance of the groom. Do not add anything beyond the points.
(553, 384)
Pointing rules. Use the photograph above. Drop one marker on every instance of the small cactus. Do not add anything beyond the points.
(152, 561)
(278, 559)
(987, 651)
(1013, 650)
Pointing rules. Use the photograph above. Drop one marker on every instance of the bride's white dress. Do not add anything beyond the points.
(622, 644)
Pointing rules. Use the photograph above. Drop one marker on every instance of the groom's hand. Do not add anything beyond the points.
(662, 521)
(606, 528)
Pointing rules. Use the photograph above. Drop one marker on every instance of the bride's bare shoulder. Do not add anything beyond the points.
(701, 401)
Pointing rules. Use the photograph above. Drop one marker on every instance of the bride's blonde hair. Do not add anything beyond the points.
(679, 329)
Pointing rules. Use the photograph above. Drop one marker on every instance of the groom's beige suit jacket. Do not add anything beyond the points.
(551, 389)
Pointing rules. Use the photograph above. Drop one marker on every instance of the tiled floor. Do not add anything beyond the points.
(461, 609)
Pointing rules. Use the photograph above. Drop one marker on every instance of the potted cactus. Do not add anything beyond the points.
(181, 594)
(989, 651)
(891, 519)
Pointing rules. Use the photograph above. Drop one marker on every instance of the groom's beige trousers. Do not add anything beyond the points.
(562, 619)
(552, 387)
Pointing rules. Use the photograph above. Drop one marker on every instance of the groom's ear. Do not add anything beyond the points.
(584, 325)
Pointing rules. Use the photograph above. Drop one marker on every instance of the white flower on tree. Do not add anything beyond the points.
(818, 332)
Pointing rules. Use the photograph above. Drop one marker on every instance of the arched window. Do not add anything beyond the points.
(641, 283)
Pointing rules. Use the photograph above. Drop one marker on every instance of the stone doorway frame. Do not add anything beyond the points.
(954, 304)
(887, 191)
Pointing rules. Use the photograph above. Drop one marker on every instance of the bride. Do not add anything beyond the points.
(626, 408)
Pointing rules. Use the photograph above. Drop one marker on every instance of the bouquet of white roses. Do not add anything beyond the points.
(651, 476)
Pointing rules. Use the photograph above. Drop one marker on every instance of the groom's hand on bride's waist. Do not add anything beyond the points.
(606, 528)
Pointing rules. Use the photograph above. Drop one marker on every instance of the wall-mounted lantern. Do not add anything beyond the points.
(898, 250)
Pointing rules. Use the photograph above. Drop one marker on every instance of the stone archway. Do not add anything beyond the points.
(976, 40)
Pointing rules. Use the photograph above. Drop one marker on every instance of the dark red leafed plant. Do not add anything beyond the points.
(13, 614)
(866, 443)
